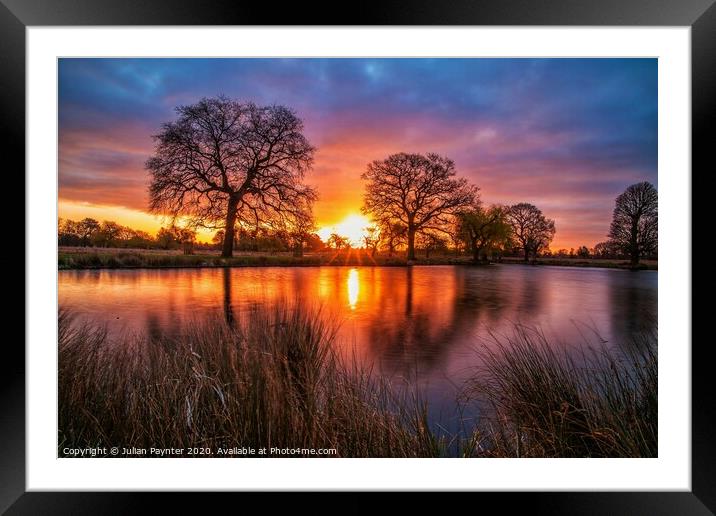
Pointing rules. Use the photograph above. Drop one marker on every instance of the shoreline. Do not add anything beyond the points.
(113, 258)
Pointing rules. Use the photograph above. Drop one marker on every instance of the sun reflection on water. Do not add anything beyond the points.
(353, 288)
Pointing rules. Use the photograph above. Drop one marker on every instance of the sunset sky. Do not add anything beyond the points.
(567, 135)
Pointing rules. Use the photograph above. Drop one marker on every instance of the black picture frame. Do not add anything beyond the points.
(700, 15)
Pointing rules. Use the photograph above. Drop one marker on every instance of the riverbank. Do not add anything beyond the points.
(70, 258)
(114, 258)
(89, 258)
(586, 262)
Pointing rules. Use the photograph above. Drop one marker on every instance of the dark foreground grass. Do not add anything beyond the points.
(273, 379)
(270, 380)
(548, 401)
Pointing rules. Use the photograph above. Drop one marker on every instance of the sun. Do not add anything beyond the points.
(352, 227)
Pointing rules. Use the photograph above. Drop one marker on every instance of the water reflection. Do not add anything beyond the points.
(633, 305)
(417, 322)
(353, 288)
(228, 310)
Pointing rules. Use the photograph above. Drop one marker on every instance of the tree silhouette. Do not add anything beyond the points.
(392, 234)
(372, 239)
(430, 241)
(634, 228)
(109, 232)
(222, 160)
(418, 191)
(483, 229)
(606, 250)
(87, 229)
(338, 242)
(298, 223)
(530, 229)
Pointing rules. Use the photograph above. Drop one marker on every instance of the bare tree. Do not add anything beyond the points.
(393, 234)
(483, 229)
(108, 233)
(222, 159)
(418, 191)
(338, 242)
(634, 229)
(606, 250)
(218, 239)
(186, 238)
(298, 223)
(87, 228)
(430, 241)
(531, 230)
(372, 239)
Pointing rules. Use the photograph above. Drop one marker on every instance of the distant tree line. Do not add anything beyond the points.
(238, 169)
(89, 232)
(270, 240)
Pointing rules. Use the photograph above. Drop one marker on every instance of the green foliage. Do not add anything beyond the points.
(484, 230)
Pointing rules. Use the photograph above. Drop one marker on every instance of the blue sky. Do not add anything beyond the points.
(567, 135)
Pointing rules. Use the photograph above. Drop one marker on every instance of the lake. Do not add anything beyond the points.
(423, 325)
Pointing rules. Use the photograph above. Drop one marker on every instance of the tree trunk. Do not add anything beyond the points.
(227, 250)
(527, 254)
(634, 258)
(634, 243)
(475, 253)
(411, 243)
(298, 249)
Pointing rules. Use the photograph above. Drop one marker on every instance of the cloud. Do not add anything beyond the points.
(567, 135)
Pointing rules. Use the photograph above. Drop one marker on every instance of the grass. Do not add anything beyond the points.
(116, 258)
(269, 380)
(100, 258)
(585, 262)
(548, 401)
(273, 379)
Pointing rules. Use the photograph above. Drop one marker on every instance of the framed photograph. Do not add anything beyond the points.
(418, 253)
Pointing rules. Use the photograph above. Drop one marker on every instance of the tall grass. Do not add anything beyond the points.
(544, 400)
(271, 379)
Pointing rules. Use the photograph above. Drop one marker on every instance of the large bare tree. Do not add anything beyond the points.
(634, 229)
(421, 192)
(531, 230)
(222, 160)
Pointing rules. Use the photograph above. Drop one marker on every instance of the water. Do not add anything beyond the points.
(421, 325)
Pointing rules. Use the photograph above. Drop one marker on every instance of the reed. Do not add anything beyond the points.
(541, 399)
(271, 379)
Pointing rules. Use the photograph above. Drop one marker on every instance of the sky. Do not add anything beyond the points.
(567, 135)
